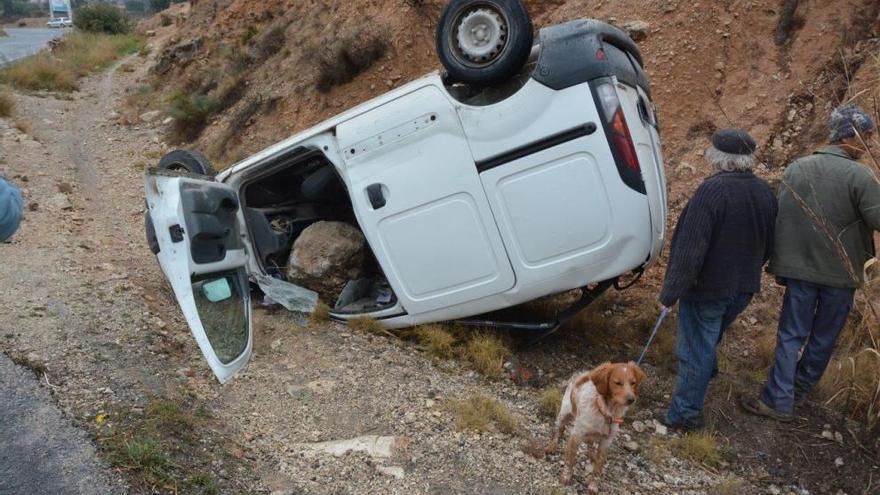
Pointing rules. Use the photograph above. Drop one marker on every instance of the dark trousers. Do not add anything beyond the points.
(812, 317)
(701, 325)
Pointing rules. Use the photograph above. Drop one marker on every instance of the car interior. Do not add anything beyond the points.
(285, 197)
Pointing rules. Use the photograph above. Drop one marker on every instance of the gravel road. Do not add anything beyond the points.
(22, 42)
(42, 452)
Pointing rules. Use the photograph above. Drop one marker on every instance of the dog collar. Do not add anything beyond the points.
(600, 405)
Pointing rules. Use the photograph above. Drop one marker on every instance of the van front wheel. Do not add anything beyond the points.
(484, 42)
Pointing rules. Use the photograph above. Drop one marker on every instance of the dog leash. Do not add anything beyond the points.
(663, 314)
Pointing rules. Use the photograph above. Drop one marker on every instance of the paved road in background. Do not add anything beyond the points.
(40, 450)
(22, 42)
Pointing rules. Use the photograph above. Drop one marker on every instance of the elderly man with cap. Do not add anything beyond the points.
(721, 242)
(829, 206)
(10, 209)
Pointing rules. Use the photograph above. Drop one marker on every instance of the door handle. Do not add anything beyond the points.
(376, 196)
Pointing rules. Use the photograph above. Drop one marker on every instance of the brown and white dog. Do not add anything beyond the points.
(594, 403)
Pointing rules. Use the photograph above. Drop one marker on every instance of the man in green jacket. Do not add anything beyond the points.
(829, 207)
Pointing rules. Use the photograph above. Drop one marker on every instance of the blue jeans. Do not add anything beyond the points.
(701, 324)
(812, 317)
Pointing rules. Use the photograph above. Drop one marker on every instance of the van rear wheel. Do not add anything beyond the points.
(484, 42)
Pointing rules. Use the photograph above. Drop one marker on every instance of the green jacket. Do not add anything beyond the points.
(826, 196)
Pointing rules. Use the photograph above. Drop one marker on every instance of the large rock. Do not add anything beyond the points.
(325, 257)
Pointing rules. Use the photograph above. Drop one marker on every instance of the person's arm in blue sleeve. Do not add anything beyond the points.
(10, 209)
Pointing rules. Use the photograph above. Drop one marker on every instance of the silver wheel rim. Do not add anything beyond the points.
(482, 36)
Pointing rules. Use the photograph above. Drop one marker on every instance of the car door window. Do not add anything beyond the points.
(221, 300)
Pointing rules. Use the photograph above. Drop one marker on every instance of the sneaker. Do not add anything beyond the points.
(758, 408)
(696, 424)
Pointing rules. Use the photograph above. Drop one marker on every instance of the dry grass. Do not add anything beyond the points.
(486, 353)
(80, 54)
(550, 401)
(321, 314)
(480, 413)
(169, 417)
(699, 447)
(729, 486)
(7, 104)
(354, 55)
(852, 381)
(437, 340)
(369, 325)
(40, 72)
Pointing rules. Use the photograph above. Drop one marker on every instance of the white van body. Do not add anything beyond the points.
(468, 205)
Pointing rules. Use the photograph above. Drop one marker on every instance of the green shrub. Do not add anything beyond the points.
(191, 114)
(7, 105)
(159, 5)
(102, 18)
(21, 8)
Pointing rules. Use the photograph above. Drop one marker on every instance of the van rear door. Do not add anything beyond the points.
(203, 256)
(418, 197)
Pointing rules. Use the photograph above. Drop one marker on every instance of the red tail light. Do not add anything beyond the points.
(620, 136)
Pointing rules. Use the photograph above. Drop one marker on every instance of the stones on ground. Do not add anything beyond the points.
(372, 445)
(394, 471)
(638, 30)
(315, 387)
(325, 257)
(660, 429)
(59, 202)
(838, 462)
(177, 56)
(631, 446)
(638, 426)
(151, 116)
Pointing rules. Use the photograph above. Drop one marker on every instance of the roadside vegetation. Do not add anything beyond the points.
(102, 18)
(7, 105)
(480, 413)
(155, 445)
(78, 55)
(550, 401)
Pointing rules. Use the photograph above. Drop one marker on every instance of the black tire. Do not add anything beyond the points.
(188, 160)
(185, 160)
(508, 48)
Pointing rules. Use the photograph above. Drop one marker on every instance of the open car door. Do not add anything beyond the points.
(204, 259)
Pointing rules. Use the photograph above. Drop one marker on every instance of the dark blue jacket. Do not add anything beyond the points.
(10, 209)
(723, 238)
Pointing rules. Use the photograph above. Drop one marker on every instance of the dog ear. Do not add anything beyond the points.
(601, 378)
(639, 374)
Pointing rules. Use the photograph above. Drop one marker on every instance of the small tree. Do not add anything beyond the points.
(159, 5)
(102, 18)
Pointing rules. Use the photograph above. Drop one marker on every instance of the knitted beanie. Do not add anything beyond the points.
(848, 119)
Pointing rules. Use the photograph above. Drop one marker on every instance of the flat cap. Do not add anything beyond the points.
(734, 142)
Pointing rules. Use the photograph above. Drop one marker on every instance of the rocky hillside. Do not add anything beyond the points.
(279, 66)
